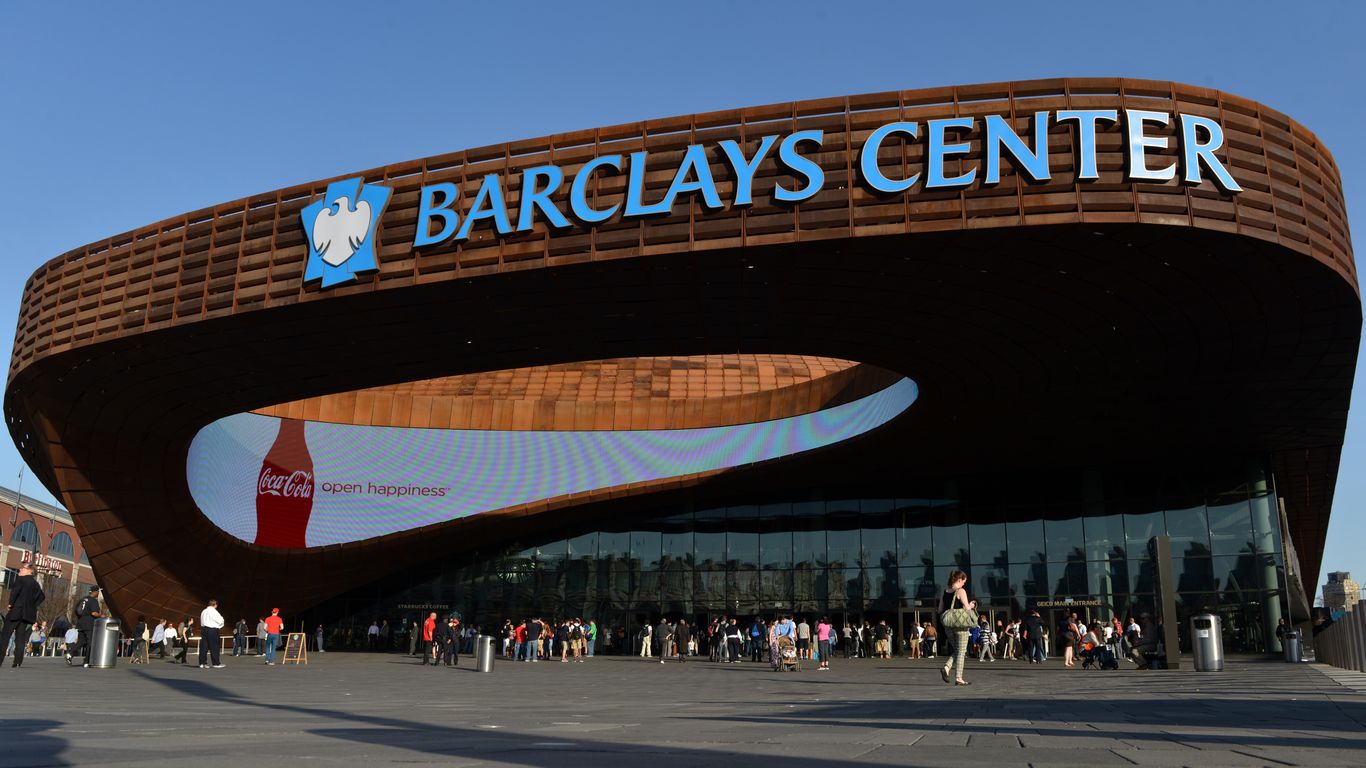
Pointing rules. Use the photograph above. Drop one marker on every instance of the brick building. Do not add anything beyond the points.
(44, 535)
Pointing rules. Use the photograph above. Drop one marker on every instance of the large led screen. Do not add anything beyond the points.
(287, 483)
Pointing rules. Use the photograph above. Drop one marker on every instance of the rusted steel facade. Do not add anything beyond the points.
(1050, 323)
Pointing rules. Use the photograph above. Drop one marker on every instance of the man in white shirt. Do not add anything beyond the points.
(210, 624)
(169, 638)
(372, 635)
(159, 639)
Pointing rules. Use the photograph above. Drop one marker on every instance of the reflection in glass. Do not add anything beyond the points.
(1265, 526)
(879, 547)
(1230, 528)
(808, 548)
(1068, 579)
(1189, 532)
(742, 550)
(1107, 579)
(583, 547)
(776, 549)
(678, 549)
(1139, 531)
(1025, 540)
(988, 542)
(951, 544)
(645, 549)
(1030, 579)
(1104, 537)
(844, 547)
(1064, 539)
(990, 584)
(614, 545)
(915, 546)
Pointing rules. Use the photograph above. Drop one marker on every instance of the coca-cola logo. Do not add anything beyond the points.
(295, 485)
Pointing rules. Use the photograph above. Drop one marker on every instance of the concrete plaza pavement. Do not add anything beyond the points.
(386, 708)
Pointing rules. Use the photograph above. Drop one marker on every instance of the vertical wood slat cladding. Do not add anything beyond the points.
(249, 254)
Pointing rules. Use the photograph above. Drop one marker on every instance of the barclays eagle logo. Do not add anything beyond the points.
(340, 229)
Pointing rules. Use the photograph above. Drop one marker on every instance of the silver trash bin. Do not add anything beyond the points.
(1207, 643)
(1293, 646)
(483, 653)
(104, 643)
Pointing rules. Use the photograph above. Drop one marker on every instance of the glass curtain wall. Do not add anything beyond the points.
(867, 558)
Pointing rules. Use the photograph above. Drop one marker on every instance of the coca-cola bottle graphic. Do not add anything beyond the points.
(284, 489)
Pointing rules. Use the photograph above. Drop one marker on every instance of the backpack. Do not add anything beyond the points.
(576, 633)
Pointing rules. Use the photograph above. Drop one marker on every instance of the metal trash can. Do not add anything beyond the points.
(483, 653)
(104, 643)
(1207, 643)
(1292, 645)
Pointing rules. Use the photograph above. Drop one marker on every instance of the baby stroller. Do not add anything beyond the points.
(787, 654)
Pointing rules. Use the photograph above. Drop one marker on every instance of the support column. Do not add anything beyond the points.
(1264, 524)
(1167, 594)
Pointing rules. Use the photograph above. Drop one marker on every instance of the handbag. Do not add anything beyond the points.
(959, 619)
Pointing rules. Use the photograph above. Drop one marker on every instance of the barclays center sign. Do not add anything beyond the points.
(341, 226)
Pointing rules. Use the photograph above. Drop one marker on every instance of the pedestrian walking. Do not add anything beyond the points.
(429, 637)
(773, 644)
(955, 595)
(734, 639)
(86, 612)
(159, 638)
(239, 638)
(210, 624)
(24, 598)
(646, 640)
(170, 638)
(662, 634)
(682, 636)
(141, 635)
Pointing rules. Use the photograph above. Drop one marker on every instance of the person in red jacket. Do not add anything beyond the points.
(428, 630)
(274, 626)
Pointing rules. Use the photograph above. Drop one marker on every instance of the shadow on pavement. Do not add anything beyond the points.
(472, 743)
(24, 742)
(1176, 721)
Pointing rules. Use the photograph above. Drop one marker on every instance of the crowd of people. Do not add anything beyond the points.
(781, 641)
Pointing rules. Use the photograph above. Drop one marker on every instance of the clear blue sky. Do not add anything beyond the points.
(116, 115)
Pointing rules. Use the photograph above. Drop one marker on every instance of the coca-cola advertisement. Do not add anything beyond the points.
(292, 484)
(284, 489)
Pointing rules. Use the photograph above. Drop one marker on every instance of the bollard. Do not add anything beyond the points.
(483, 653)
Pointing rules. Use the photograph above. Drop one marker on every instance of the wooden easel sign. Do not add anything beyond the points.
(296, 650)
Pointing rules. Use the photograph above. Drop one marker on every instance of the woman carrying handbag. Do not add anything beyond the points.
(958, 615)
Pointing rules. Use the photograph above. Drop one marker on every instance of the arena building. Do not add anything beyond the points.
(800, 357)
